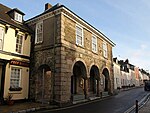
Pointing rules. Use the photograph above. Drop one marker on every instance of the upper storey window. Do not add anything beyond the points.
(1, 37)
(19, 43)
(94, 43)
(79, 36)
(39, 32)
(105, 53)
(18, 17)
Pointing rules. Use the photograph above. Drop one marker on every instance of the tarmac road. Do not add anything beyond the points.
(115, 104)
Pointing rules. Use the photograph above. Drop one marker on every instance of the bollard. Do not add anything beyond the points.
(137, 107)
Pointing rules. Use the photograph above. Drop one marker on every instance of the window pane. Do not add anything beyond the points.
(94, 43)
(19, 41)
(1, 37)
(39, 32)
(18, 17)
(105, 49)
(15, 77)
(79, 35)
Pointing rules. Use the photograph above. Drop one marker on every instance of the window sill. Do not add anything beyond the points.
(38, 43)
(15, 89)
(95, 52)
(78, 45)
(105, 57)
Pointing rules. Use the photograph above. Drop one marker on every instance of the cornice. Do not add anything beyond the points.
(44, 16)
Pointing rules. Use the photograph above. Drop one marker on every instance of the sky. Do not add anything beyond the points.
(125, 22)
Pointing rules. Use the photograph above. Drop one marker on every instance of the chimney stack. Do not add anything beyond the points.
(47, 6)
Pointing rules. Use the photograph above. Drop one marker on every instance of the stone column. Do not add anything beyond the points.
(98, 87)
(85, 88)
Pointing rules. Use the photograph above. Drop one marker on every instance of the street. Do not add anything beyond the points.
(115, 104)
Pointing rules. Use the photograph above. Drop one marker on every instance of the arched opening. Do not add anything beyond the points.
(43, 84)
(94, 80)
(78, 83)
(106, 82)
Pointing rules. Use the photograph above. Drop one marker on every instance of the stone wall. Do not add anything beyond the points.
(62, 57)
(71, 53)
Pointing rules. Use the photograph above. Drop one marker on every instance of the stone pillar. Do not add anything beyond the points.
(98, 87)
(85, 88)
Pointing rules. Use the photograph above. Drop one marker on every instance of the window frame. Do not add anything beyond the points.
(82, 36)
(94, 43)
(37, 41)
(18, 17)
(20, 76)
(21, 50)
(105, 50)
(2, 38)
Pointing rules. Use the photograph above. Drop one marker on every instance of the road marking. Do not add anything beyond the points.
(145, 99)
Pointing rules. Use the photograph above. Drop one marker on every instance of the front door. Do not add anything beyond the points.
(2, 78)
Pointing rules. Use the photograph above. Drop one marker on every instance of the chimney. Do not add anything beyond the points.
(47, 6)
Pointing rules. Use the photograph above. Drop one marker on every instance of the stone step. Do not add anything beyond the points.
(105, 94)
(78, 97)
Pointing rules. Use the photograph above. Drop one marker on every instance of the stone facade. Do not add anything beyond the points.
(76, 72)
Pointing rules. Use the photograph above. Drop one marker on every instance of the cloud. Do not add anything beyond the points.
(143, 46)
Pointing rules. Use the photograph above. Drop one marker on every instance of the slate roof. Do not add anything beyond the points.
(5, 18)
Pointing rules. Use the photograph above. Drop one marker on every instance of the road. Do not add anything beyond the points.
(115, 104)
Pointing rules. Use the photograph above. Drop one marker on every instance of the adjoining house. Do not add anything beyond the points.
(117, 74)
(127, 75)
(143, 76)
(71, 59)
(14, 54)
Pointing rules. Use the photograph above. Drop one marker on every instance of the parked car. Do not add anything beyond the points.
(147, 86)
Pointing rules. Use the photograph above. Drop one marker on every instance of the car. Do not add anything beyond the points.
(147, 86)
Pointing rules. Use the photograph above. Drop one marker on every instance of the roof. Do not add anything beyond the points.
(57, 6)
(6, 19)
(17, 10)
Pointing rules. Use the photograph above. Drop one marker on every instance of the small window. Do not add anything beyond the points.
(1, 37)
(105, 50)
(19, 43)
(18, 17)
(94, 43)
(79, 35)
(15, 78)
(39, 32)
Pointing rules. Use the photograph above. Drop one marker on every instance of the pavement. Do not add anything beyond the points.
(25, 107)
(146, 107)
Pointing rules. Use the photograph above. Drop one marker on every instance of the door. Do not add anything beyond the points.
(0, 77)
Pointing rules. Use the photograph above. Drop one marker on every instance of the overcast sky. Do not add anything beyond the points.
(125, 22)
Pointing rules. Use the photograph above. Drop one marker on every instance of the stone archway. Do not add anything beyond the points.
(78, 81)
(94, 80)
(106, 79)
(43, 84)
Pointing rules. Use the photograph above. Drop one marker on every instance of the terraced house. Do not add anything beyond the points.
(71, 59)
(14, 54)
